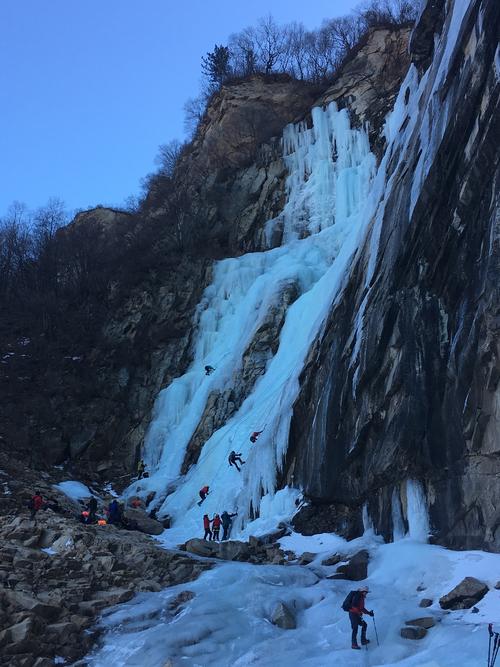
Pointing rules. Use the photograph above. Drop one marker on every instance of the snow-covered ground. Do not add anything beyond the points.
(74, 490)
(227, 622)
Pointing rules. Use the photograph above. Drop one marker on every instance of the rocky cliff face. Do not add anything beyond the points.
(404, 383)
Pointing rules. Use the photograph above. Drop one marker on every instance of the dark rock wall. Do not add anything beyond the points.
(420, 399)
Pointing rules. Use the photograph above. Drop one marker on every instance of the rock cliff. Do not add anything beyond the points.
(404, 383)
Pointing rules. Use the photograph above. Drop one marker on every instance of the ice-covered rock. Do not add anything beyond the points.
(283, 617)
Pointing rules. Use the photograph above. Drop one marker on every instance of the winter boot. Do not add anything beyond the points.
(365, 641)
(356, 646)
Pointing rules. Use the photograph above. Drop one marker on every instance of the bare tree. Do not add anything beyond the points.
(167, 157)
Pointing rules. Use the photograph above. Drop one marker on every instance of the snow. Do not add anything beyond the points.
(227, 622)
(74, 490)
(50, 551)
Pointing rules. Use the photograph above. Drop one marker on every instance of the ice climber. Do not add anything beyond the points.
(227, 522)
(206, 526)
(141, 467)
(36, 504)
(216, 527)
(203, 494)
(255, 435)
(209, 370)
(233, 459)
(355, 605)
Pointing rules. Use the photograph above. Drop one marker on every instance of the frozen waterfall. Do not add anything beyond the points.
(330, 169)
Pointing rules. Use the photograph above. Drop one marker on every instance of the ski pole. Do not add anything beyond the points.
(375, 627)
(496, 646)
(490, 633)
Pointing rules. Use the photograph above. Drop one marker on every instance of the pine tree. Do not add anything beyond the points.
(215, 65)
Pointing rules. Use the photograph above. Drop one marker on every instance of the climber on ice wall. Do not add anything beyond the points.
(255, 435)
(233, 460)
(203, 494)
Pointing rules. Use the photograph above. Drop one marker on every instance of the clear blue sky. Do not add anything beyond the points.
(90, 88)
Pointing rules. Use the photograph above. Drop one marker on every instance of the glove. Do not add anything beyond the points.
(371, 613)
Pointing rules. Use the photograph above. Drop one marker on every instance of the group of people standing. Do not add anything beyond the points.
(213, 532)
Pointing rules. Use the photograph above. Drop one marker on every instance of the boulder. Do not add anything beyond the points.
(469, 591)
(201, 547)
(233, 550)
(426, 622)
(356, 569)
(413, 633)
(425, 602)
(139, 520)
(283, 617)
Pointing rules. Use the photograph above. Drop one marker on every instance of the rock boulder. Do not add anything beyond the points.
(283, 617)
(464, 596)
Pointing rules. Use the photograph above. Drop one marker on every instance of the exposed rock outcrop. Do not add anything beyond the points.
(56, 576)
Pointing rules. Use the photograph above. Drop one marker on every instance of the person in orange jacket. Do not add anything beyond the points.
(216, 523)
(206, 526)
(203, 494)
(255, 435)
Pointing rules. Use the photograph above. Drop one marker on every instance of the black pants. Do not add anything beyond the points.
(226, 530)
(215, 535)
(209, 533)
(357, 620)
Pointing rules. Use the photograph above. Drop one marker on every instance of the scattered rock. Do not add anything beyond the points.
(426, 622)
(420, 588)
(332, 560)
(469, 591)
(413, 633)
(475, 610)
(307, 557)
(283, 617)
(425, 602)
(180, 600)
(497, 585)
(356, 569)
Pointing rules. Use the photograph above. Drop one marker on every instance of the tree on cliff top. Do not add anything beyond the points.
(216, 65)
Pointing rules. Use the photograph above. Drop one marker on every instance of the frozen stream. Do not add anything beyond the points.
(227, 622)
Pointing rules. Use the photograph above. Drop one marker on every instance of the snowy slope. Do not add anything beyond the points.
(227, 621)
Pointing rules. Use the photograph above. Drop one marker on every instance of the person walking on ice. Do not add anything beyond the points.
(355, 605)
(233, 458)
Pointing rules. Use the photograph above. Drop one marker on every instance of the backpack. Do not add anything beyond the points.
(348, 602)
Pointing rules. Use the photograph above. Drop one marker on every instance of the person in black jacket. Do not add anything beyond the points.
(226, 520)
(233, 459)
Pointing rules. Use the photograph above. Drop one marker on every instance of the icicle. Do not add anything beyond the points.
(416, 510)
(398, 526)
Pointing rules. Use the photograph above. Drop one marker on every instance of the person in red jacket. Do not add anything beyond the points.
(36, 504)
(255, 435)
(203, 494)
(216, 522)
(356, 612)
(206, 526)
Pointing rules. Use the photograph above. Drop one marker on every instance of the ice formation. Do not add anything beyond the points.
(330, 170)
